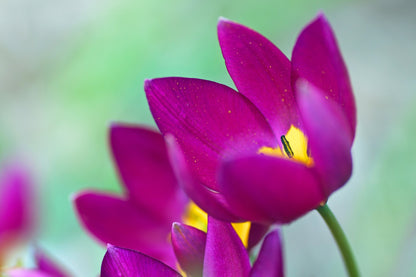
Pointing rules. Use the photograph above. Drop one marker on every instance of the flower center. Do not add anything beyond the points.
(197, 218)
(295, 146)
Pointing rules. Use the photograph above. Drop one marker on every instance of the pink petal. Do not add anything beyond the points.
(261, 72)
(270, 259)
(117, 221)
(142, 161)
(225, 254)
(189, 247)
(210, 201)
(317, 59)
(124, 262)
(267, 190)
(207, 119)
(329, 137)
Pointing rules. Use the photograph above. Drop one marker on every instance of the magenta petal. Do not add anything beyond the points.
(16, 206)
(270, 259)
(261, 72)
(210, 201)
(317, 59)
(329, 137)
(142, 161)
(207, 118)
(225, 254)
(118, 221)
(124, 262)
(46, 265)
(266, 189)
(189, 247)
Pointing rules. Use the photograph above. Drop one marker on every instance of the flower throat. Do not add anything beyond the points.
(295, 146)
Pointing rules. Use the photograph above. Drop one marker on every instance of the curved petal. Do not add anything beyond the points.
(225, 254)
(142, 161)
(207, 119)
(189, 247)
(208, 200)
(114, 220)
(329, 136)
(46, 265)
(270, 259)
(317, 59)
(266, 189)
(125, 262)
(261, 72)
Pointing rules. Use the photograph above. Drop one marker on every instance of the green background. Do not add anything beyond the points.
(69, 68)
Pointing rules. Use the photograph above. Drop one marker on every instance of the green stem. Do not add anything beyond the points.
(340, 239)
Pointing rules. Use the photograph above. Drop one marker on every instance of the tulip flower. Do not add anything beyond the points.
(141, 219)
(273, 150)
(219, 252)
(276, 148)
(16, 208)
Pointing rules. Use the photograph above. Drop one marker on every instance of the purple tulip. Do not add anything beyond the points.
(278, 147)
(16, 208)
(141, 219)
(222, 254)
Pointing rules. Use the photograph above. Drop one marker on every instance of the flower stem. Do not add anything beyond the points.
(340, 239)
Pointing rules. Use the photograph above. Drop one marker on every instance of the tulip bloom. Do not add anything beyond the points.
(219, 252)
(141, 219)
(276, 148)
(16, 208)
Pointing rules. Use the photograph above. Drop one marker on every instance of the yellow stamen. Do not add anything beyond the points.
(299, 145)
(295, 146)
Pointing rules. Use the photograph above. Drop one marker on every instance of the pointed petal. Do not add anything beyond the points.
(329, 137)
(207, 118)
(114, 220)
(46, 265)
(261, 72)
(267, 190)
(208, 200)
(317, 59)
(225, 254)
(257, 232)
(189, 247)
(142, 161)
(270, 259)
(124, 262)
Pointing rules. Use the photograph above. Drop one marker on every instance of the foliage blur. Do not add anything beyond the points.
(69, 68)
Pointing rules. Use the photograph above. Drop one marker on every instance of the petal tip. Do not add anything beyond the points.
(147, 84)
(224, 23)
(73, 197)
(176, 226)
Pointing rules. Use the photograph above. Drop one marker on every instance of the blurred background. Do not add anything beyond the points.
(69, 68)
